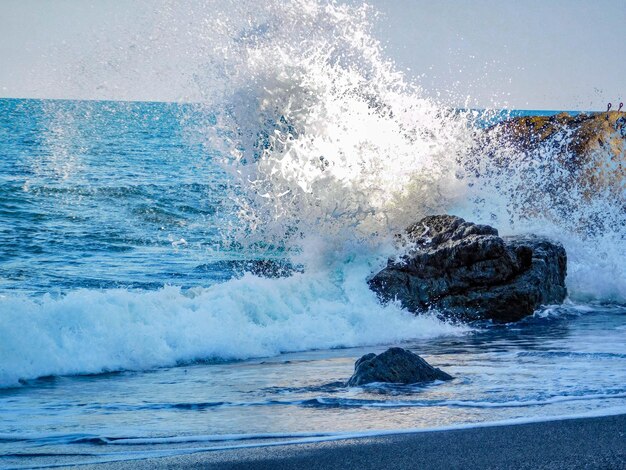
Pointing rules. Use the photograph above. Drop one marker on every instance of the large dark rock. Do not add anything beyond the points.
(467, 271)
(396, 365)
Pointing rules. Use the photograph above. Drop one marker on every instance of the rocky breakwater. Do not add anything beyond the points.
(587, 150)
(467, 271)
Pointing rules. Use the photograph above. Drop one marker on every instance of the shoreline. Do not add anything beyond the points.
(589, 442)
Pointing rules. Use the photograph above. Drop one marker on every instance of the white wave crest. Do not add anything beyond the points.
(93, 331)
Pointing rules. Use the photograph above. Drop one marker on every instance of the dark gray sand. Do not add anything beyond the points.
(574, 443)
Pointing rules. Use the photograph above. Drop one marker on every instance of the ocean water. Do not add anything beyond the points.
(179, 277)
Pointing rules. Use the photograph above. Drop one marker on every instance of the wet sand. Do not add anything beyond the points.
(574, 443)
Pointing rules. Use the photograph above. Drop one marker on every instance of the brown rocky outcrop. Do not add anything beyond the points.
(590, 147)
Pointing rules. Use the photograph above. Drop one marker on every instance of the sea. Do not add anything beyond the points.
(185, 277)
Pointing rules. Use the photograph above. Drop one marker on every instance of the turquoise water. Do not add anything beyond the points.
(129, 325)
(100, 195)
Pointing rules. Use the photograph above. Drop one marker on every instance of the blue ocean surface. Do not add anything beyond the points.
(133, 324)
(117, 197)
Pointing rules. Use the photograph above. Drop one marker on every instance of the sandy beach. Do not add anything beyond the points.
(565, 444)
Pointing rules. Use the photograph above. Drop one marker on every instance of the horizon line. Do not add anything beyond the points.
(97, 100)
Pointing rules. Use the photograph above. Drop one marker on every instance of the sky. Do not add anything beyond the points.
(531, 54)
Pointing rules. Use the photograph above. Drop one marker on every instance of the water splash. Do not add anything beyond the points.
(325, 138)
(90, 331)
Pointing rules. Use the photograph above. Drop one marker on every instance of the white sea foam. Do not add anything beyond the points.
(89, 331)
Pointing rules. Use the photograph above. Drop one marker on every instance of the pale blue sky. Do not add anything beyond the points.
(532, 54)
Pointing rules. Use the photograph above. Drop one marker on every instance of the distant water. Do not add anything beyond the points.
(133, 321)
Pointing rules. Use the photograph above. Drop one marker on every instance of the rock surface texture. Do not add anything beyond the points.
(467, 271)
(396, 365)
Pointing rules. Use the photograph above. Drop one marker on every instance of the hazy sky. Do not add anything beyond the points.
(531, 54)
